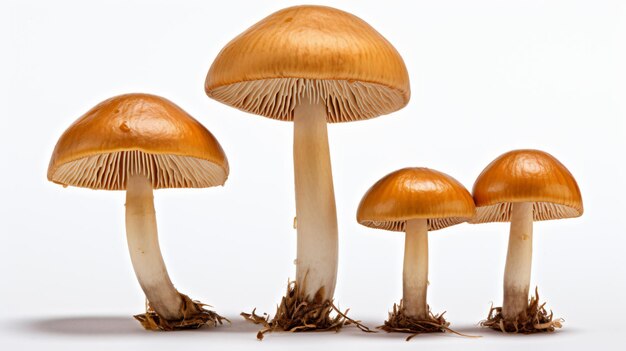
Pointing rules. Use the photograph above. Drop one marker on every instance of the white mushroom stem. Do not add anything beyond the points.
(145, 254)
(415, 274)
(316, 263)
(518, 261)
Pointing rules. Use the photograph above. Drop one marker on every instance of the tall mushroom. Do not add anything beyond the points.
(311, 65)
(416, 201)
(520, 187)
(137, 143)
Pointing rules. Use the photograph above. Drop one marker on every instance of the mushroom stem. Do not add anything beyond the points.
(415, 274)
(145, 254)
(316, 264)
(518, 261)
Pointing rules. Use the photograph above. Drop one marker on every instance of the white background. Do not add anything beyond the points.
(486, 77)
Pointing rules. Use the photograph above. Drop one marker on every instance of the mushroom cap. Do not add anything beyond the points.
(137, 133)
(412, 193)
(316, 51)
(526, 176)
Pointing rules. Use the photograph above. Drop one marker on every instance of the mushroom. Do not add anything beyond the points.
(137, 143)
(416, 201)
(520, 187)
(312, 65)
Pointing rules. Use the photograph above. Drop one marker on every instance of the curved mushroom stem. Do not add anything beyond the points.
(145, 254)
(316, 264)
(518, 261)
(415, 273)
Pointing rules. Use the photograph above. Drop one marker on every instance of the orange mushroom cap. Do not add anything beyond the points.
(526, 176)
(137, 133)
(412, 193)
(317, 51)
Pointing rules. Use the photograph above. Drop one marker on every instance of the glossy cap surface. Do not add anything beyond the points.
(316, 51)
(137, 133)
(526, 176)
(412, 193)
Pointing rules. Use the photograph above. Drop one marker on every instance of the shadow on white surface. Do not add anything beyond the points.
(86, 325)
(117, 325)
(467, 329)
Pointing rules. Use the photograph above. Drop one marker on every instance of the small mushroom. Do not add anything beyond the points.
(137, 143)
(416, 201)
(520, 187)
(312, 65)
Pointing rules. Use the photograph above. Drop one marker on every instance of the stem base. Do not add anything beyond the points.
(194, 317)
(295, 314)
(535, 319)
(400, 322)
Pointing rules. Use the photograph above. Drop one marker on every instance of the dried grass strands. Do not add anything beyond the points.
(535, 319)
(194, 317)
(295, 314)
(399, 322)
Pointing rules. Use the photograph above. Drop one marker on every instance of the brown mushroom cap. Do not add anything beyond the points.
(137, 133)
(412, 193)
(526, 176)
(316, 50)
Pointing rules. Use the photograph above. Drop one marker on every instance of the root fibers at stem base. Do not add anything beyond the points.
(194, 317)
(398, 322)
(295, 314)
(535, 319)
